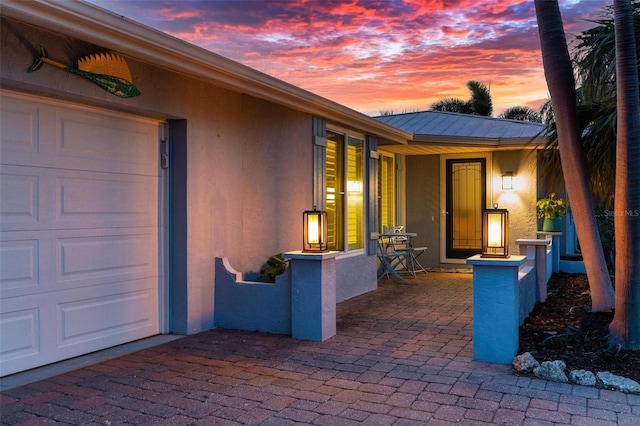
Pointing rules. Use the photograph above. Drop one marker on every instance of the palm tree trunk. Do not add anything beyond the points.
(625, 328)
(559, 75)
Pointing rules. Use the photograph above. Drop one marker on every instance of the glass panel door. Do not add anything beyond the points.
(466, 183)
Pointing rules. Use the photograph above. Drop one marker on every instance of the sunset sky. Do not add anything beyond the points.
(374, 56)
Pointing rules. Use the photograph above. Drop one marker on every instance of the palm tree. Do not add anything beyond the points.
(560, 81)
(625, 327)
(480, 102)
(451, 105)
(594, 65)
(521, 113)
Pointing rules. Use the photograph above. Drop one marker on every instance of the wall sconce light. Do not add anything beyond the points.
(314, 223)
(507, 180)
(495, 235)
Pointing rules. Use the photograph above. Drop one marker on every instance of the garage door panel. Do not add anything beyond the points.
(41, 198)
(58, 136)
(19, 135)
(20, 333)
(104, 198)
(79, 230)
(108, 257)
(19, 260)
(111, 140)
(84, 320)
(99, 317)
(48, 261)
(19, 201)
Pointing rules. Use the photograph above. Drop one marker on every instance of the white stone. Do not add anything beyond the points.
(552, 370)
(611, 381)
(525, 363)
(582, 377)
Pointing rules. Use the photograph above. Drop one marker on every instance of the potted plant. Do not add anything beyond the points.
(274, 266)
(551, 209)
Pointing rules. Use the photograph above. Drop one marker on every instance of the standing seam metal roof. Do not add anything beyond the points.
(438, 123)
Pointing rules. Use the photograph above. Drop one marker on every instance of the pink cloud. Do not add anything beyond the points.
(370, 55)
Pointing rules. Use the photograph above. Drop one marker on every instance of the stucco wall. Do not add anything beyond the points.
(423, 205)
(248, 171)
(521, 201)
(355, 275)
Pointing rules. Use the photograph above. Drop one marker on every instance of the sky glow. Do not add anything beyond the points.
(374, 56)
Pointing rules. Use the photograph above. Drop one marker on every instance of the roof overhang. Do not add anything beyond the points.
(425, 145)
(95, 25)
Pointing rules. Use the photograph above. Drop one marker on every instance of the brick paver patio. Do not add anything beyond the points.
(402, 356)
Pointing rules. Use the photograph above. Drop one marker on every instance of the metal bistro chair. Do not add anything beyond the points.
(414, 265)
(404, 244)
(390, 260)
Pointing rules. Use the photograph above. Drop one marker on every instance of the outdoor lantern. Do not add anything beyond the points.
(495, 235)
(507, 180)
(314, 224)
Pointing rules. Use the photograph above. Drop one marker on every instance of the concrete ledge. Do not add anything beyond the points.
(300, 255)
(478, 260)
(533, 242)
(550, 234)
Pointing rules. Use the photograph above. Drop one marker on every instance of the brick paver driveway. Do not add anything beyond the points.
(402, 356)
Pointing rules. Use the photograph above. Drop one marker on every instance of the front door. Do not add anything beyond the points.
(465, 198)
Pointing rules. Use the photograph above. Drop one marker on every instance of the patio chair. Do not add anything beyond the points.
(391, 260)
(403, 246)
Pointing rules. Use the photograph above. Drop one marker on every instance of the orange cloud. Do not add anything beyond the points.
(374, 55)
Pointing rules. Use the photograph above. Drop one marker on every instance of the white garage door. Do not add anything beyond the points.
(78, 231)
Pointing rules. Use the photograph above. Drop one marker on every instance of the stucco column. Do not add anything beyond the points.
(536, 252)
(313, 295)
(496, 308)
(555, 247)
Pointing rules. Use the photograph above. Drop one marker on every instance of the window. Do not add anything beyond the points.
(386, 191)
(345, 191)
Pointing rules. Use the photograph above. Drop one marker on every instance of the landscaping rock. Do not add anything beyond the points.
(582, 377)
(552, 370)
(524, 363)
(611, 381)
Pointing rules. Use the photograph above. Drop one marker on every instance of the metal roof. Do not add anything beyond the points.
(439, 132)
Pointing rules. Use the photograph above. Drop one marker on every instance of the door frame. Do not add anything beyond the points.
(443, 196)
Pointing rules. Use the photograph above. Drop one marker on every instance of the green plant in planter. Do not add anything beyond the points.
(273, 267)
(551, 209)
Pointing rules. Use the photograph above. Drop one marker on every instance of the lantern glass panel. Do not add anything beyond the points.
(495, 233)
(314, 231)
(494, 230)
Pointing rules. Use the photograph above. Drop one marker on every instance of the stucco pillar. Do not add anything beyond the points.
(496, 308)
(313, 295)
(555, 247)
(536, 252)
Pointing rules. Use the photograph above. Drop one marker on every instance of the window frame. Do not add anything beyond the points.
(381, 190)
(346, 136)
